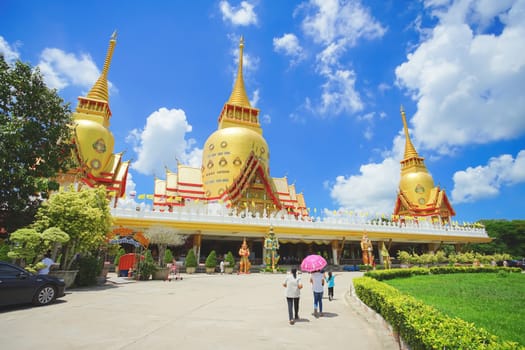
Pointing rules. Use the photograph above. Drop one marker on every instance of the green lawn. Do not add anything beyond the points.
(493, 301)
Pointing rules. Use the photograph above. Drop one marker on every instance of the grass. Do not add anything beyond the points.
(494, 301)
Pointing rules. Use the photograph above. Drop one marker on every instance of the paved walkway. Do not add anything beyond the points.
(200, 312)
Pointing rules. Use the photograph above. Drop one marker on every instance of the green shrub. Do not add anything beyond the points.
(89, 268)
(211, 260)
(230, 259)
(146, 266)
(120, 252)
(168, 257)
(382, 275)
(4, 248)
(191, 260)
(422, 326)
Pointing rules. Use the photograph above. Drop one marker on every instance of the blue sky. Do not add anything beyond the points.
(328, 77)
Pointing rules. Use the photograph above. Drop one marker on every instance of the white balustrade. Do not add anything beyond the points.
(222, 215)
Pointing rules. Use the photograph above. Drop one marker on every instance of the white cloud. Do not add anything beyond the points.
(372, 190)
(163, 141)
(338, 26)
(339, 93)
(61, 69)
(255, 98)
(289, 45)
(243, 15)
(9, 52)
(472, 83)
(485, 181)
(266, 119)
(333, 20)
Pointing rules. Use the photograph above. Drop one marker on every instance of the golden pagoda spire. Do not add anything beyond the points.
(410, 151)
(239, 96)
(99, 91)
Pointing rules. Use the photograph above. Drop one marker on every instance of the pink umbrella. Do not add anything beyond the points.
(313, 263)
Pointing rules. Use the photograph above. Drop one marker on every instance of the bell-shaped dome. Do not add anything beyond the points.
(95, 144)
(225, 154)
(417, 187)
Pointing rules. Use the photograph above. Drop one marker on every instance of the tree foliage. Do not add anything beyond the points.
(84, 215)
(34, 142)
(508, 237)
(163, 237)
(25, 243)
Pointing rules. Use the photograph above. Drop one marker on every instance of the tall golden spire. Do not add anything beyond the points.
(239, 96)
(410, 151)
(99, 91)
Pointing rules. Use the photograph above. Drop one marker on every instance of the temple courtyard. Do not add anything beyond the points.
(199, 312)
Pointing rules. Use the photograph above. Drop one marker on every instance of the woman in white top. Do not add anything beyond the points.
(293, 286)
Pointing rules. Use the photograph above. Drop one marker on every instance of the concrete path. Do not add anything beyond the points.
(200, 312)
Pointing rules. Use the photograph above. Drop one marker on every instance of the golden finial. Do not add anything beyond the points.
(99, 91)
(410, 151)
(239, 96)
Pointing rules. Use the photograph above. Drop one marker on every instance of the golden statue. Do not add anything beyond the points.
(244, 253)
(367, 250)
(386, 256)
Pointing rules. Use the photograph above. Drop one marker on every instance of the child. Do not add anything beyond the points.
(330, 281)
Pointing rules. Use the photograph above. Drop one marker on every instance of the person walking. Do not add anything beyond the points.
(317, 281)
(330, 281)
(293, 286)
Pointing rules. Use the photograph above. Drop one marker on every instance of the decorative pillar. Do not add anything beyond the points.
(335, 252)
(197, 242)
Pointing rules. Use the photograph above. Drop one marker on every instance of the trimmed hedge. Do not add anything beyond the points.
(382, 275)
(422, 326)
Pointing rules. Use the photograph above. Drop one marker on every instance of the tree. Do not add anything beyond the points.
(164, 236)
(34, 142)
(507, 237)
(84, 215)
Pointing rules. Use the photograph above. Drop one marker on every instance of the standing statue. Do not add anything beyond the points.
(244, 253)
(367, 250)
(386, 256)
(271, 244)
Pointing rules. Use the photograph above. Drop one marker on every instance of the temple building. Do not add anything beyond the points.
(417, 196)
(235, 166)
(232, 197)
(96, 164)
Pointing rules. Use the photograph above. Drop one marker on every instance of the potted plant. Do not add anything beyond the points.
(230, 262)
(211, 262)
(163, 271)
(146, 267)
(190, 262)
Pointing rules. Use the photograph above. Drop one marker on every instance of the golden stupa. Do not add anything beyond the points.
(235, 165)
(94, 142)
(417, 194)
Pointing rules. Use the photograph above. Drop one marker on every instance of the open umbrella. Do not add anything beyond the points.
(313, 262)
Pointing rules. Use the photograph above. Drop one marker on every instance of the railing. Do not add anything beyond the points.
(215, 214)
